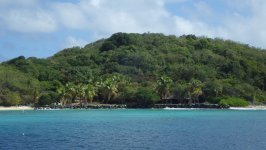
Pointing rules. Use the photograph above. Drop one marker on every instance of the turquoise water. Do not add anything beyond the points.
(133, 129)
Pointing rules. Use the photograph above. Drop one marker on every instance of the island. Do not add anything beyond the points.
(130, 70)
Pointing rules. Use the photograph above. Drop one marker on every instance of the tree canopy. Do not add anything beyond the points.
(113, 70)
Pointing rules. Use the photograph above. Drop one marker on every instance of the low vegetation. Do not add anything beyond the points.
(234, 102)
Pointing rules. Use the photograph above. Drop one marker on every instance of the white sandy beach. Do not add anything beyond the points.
(167, 108)
(16, 108)
(251, 107)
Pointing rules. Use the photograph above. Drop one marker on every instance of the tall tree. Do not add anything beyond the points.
(109, 86)
(163, 87)
(81, 93)
(195, 90)
(62, 95)
(90, 92)
(71, 92)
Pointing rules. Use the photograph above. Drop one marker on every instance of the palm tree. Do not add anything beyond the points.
(90, 92)
(189, 92)
(195, 90)
(62, 94)
(163, 87)
(80, 93)
(71, 92)
(217, 86)
(108, 87)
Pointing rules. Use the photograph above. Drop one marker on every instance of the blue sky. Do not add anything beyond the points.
(40, 28)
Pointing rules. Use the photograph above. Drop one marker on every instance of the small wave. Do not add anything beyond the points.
(50, 109)
(248, 108)
(168, 108)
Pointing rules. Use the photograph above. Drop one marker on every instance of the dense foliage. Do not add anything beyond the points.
(138, 69)
(233, 102)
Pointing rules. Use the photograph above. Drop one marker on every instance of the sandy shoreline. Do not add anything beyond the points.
(251, 107)
(16, 108)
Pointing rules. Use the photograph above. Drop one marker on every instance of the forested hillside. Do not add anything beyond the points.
(139, 70)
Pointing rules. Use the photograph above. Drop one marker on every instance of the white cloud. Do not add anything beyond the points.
(70, 15)
(73, 41)
(203, 8)
(26, 16)
(245, 21)
(250, 26)
(185, 26)
(109, 17)
(95, 3)
(26, 21)
(20, 3)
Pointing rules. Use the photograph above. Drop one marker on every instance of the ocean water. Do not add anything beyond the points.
(149, 129)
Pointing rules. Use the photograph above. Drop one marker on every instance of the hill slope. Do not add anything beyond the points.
(220, 68)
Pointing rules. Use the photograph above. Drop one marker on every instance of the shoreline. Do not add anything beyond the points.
(2, 108)
(250, 107)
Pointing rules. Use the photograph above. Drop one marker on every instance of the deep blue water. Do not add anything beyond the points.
(133, 129)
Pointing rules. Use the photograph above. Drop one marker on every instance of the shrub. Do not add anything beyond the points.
(214, 100)
(9, 98)
(45, 99)
(108, 45)
(234, 102)
(144, 98)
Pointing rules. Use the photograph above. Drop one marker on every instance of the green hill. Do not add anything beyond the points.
(139, 69)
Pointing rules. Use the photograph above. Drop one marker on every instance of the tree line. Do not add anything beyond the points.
(139, 69)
